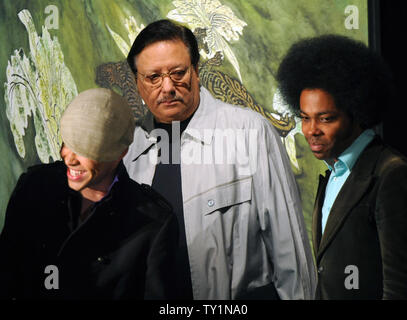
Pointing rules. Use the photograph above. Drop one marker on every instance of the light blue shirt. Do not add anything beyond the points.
(341, 171)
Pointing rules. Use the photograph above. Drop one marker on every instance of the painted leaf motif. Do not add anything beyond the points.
(132, 29)
(123, 46)
(220, 22)
(289, 141)
(19, 96)
(40, 86)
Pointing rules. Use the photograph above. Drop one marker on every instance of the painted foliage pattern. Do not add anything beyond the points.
(39, 86)
(241, 44)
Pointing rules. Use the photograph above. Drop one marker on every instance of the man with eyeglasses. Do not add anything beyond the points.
(226, 174)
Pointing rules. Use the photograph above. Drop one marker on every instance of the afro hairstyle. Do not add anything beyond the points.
(355, 76)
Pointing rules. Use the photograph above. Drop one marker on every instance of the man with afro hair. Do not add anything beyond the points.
(340, 89)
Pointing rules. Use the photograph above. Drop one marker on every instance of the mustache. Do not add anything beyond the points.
(170, 99)
(314, 141)
(187, 85)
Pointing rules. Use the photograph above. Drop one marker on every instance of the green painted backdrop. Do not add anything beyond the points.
(257, 34)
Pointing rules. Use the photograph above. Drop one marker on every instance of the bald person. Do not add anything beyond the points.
(81, 228)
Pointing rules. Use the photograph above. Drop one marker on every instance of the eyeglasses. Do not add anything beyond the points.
(155, 80)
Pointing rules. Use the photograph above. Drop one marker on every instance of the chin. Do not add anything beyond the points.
(76, 186)
(320, 156)
(173, 116)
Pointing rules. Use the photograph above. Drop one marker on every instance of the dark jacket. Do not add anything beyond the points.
(123, 250)
(366, 229)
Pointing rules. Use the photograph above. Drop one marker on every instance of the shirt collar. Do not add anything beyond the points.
(204, 120)
(116, 179)
(348, 157)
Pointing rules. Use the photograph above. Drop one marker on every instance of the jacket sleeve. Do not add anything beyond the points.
(281, 218)
(10, 241)
(391, 221)
(161, 261)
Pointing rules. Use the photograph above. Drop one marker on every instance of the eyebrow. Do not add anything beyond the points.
(169, 69)
(322, 113)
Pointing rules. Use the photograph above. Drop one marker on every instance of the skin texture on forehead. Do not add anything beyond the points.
(169, 102)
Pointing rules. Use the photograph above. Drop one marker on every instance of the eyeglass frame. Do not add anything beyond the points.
(162, 76)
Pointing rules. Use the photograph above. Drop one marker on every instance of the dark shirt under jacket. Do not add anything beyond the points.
(124, 249)
(167, 181)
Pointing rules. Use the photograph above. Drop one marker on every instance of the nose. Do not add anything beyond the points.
(311, 128)
(69, 157)
(167, 86)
